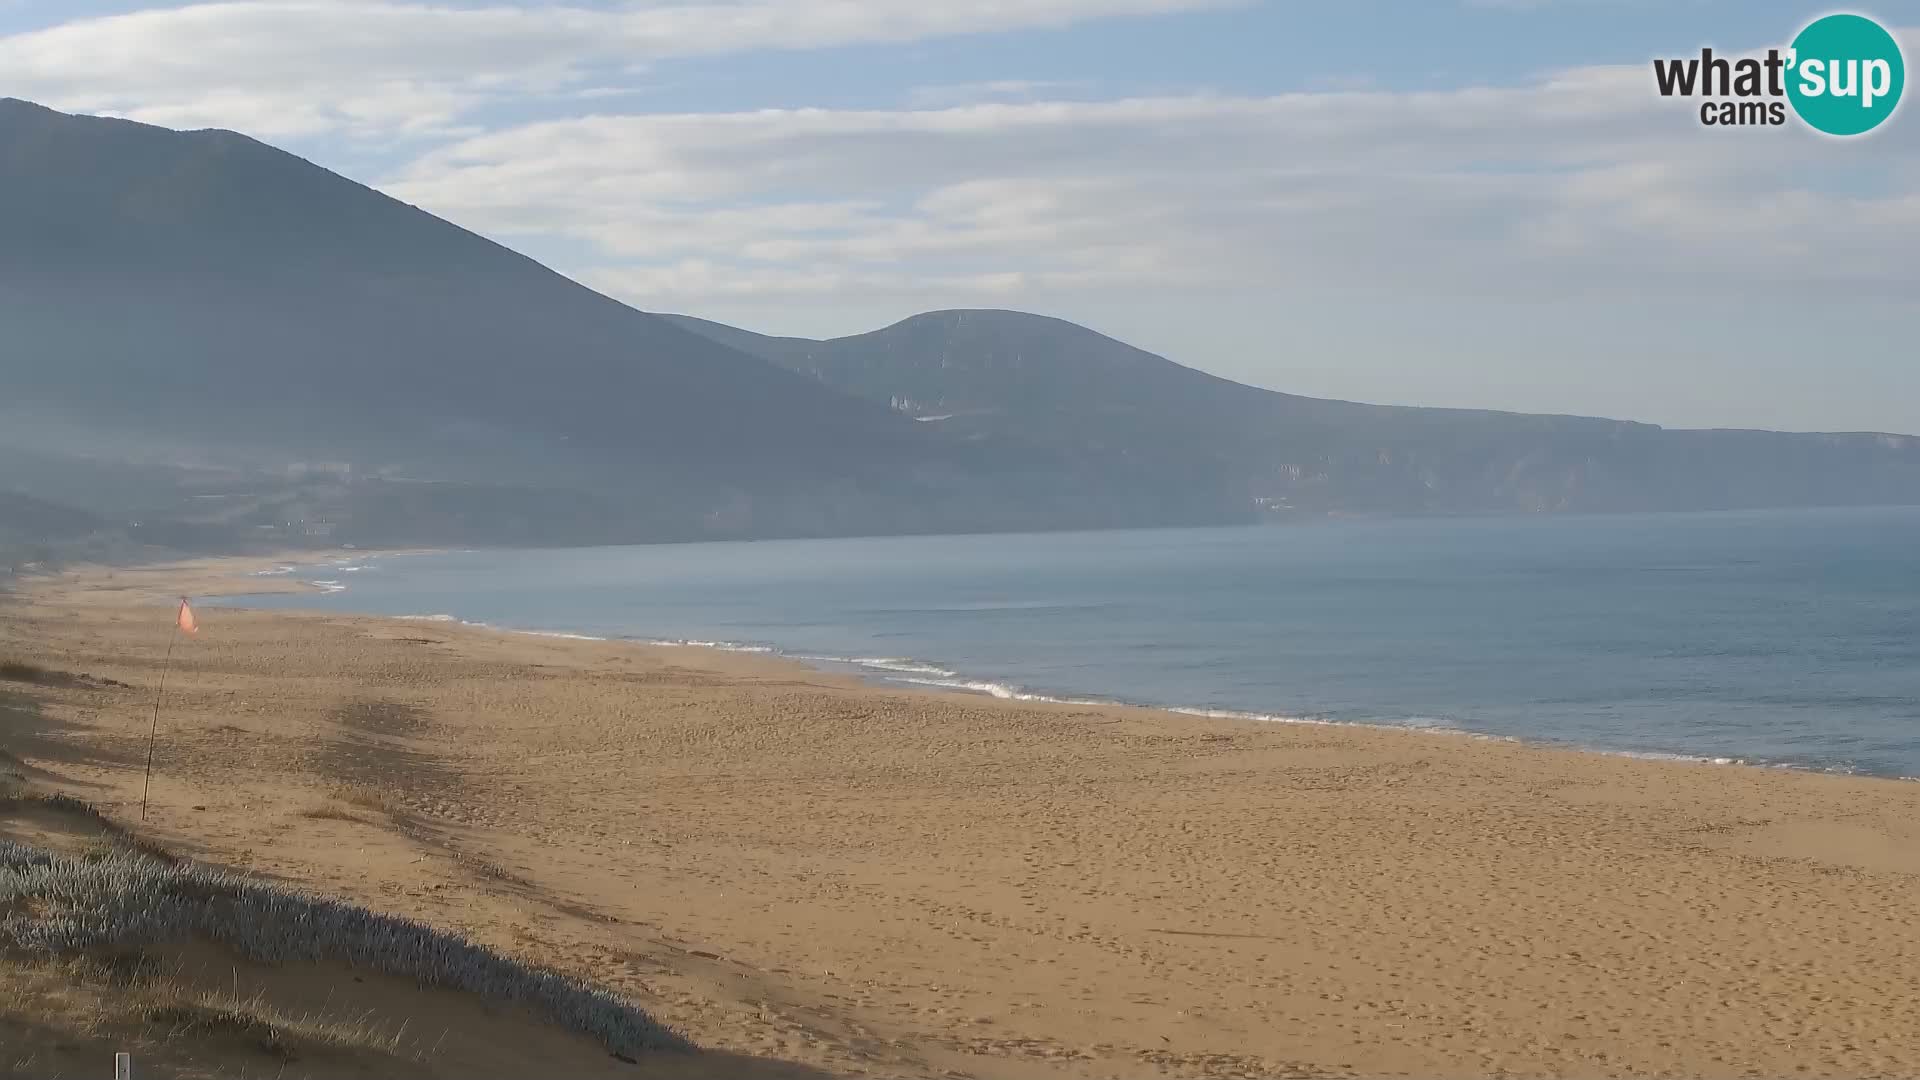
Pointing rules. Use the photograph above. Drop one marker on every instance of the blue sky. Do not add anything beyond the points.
(1451, 202)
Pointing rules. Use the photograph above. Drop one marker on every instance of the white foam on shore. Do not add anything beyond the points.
(277, 571)
(903, 665)
(1003, 691)
(1841, 769)
(328, 586)
(458, 621)
(1000, 690)
(1425, 725)
(721, 646)
(1685, 759)
(1265, 718)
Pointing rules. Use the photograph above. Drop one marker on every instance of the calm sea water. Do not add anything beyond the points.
(1772, 637)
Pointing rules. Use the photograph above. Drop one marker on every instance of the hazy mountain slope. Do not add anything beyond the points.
(205, 287)
(230, 345)
(1004, 374)
(31, 529)
(201, 300)
(23, 517)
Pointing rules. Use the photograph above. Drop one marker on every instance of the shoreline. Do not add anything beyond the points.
(198, 576)
(919, 675)
(795, 865)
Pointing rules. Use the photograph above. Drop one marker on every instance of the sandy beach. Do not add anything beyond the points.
(853, 881)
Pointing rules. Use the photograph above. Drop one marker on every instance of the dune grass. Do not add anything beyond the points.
(368, 797)
(182, 1013)
(16, 794)
(63, 906)
(94, 912)
(362, 803)
(126, 996)
(13, 779)
(327, 811)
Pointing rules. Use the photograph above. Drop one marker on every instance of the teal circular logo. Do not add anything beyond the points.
(1845, 74)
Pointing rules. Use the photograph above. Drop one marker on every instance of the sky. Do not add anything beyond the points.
(1477, 203)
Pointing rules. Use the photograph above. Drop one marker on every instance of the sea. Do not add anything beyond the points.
(1781, 638)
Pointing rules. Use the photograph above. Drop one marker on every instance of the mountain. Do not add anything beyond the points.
(208, 343)
(204, 302)
(26, 519)
(1006, 375)
(32, 529)
(204, 284)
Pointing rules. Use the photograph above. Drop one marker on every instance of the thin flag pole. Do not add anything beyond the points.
(180, 624)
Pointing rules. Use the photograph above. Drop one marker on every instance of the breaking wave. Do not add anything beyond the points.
(722, 646)
(901, 665)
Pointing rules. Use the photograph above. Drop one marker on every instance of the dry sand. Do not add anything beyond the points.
(786, 864)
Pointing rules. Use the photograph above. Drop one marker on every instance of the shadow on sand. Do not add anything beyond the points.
(34, 742)
(27, 732)
(721, 1065)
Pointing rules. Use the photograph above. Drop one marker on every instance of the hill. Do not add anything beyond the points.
(32, 530)
(1004, 375)
(25, 518)
(213, 344)
(202, 301)
(205, 279)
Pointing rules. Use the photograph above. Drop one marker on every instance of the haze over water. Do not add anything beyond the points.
(1771, 637)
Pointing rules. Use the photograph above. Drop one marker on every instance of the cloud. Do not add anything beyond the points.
(991, 90)
(1584, 180)
(381, 67)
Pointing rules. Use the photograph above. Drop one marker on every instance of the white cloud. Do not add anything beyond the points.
(1581, 179)
(298, 67)
(991, 90)
(1585, 180)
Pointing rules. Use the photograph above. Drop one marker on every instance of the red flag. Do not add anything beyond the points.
(188, 625)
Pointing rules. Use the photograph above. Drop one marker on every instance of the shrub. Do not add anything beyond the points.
(16, 794)
(66, 906)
